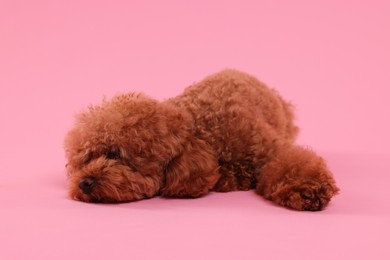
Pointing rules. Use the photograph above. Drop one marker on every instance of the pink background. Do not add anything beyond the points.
(331, 58)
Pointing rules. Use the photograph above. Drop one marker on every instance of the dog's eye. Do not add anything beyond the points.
(114, 155)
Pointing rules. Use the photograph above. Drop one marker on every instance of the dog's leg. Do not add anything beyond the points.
(193, 173)
(297, 178)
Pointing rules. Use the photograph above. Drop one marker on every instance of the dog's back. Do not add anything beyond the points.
(230, 93)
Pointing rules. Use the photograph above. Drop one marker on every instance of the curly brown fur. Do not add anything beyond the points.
(228, 132)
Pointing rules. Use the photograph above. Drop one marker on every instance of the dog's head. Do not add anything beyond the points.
(133, 147)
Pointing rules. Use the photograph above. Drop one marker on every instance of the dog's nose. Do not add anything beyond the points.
(87, 184)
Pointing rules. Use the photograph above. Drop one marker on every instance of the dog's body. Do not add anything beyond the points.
(228, 132)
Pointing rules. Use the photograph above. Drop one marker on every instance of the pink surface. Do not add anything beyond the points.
(331, 58)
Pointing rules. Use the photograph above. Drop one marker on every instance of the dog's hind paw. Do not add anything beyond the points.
(306, 196)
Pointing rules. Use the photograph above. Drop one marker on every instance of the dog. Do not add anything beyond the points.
(229, 132)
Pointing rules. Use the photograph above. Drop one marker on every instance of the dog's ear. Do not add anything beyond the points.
(193, 172)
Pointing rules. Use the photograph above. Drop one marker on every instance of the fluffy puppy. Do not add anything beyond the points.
(228, 132)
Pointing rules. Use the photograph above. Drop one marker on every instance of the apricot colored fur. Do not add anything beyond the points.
(228, 132)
